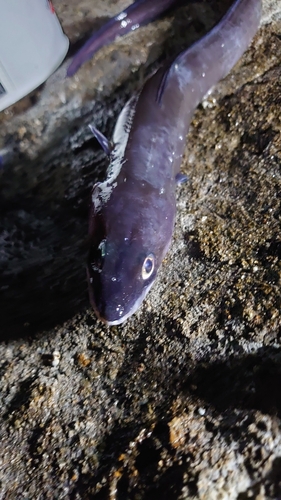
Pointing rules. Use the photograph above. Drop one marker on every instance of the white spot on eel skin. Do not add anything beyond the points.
(121, 16)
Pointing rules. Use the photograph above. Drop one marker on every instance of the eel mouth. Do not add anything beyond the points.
(112, 315)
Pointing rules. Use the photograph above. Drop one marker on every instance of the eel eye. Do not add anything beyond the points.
(148, 267)
(97, 256)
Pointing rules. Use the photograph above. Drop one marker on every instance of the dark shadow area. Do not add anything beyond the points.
(20, 400)
(250, 383)
(43, 235)
(232, 390)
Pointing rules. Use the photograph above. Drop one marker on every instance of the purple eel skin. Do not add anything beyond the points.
(133, 211)
(138, 14)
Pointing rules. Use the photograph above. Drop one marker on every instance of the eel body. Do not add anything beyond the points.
(137, 14)
(133, 211)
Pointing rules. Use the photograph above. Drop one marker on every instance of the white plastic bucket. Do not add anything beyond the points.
(32, 46)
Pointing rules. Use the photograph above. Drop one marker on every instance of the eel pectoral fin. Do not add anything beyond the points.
(103, 141)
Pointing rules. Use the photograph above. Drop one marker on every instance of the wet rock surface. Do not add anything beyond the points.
(182, 401)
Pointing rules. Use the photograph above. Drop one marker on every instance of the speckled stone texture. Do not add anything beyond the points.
(184, 400)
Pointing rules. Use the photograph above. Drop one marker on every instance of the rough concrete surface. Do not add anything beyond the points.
(183, 401)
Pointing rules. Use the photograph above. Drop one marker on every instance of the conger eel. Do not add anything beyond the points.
(132, 212)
